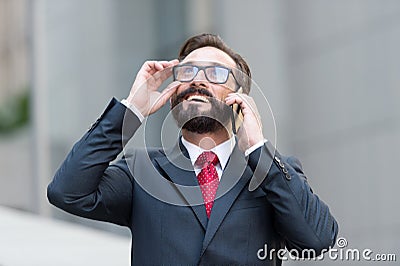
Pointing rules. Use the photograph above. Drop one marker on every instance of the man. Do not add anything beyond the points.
(195, 203)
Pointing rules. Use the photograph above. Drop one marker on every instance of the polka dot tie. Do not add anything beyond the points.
(208, 178)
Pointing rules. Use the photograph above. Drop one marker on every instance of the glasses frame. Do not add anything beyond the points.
(199, 68)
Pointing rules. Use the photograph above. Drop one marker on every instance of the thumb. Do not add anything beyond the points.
(165, 95)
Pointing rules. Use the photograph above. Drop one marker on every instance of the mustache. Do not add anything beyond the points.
(192, 90)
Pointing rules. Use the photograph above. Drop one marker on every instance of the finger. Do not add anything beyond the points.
(164, 64)
(170, 63)
(174, 62)
(240, 98)
(158, 66)
(154, 73)
(162, 76)
(165, 70)
(153, 66)
(165, 95)
(233, 98)
(244, 101)
(233, 101)
(147, 68)
(168, 92)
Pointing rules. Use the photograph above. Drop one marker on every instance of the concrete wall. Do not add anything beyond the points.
(343, 59)
(329, 69)
(15, 149)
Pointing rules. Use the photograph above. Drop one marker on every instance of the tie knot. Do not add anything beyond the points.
(207, 157)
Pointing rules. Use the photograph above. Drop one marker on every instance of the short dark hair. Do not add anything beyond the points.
(243, 76)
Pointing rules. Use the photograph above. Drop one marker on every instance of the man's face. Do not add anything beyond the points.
(199, 105)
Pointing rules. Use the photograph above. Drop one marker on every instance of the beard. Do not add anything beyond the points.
(199, 121)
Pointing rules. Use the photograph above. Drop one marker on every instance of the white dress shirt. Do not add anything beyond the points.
(223, 151)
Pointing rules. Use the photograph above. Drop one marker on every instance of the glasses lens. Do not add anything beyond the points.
(217, 74)
(214, 74)
(185, 73)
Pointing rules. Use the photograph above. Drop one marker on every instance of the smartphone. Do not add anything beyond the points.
(236, 117)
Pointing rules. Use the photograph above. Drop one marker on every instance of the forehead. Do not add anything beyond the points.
(210, 54)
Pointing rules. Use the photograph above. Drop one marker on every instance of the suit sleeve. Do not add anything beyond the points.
(302, 219)
(85, 184)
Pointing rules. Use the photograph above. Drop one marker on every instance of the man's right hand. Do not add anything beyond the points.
(144, 94)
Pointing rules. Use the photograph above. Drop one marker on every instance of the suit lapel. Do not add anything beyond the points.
(236, 175)
(234, 178)
(179, 168)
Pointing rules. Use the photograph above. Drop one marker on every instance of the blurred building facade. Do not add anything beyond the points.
(14, 47)
(15, 143)
(328, 68)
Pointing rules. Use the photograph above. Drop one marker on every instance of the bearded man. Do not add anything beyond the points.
(203, 212)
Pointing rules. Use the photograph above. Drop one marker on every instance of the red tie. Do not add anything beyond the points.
(208, 178)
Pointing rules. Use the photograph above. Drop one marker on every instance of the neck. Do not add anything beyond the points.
(209, 140)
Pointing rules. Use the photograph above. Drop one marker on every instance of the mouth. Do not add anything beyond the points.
(193, 95)
(197, 98)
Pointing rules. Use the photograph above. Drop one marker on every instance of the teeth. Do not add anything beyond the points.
(198, 98)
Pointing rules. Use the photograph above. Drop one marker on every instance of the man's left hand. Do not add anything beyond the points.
(250, 132)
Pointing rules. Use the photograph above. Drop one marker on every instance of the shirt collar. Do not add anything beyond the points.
(223, 150)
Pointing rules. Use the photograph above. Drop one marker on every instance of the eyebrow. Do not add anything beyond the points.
(208, 63)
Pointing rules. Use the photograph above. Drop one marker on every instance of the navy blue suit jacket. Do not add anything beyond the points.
(281, 211)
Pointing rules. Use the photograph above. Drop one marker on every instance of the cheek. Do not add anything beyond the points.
(223, 90)
(232, 85)
(222, 94)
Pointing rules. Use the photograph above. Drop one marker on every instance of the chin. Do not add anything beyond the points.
(196, 119)
(202, 125)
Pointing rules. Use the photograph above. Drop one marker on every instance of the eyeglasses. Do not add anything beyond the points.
(214, 74)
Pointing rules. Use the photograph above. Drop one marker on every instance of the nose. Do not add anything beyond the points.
(200, 79)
